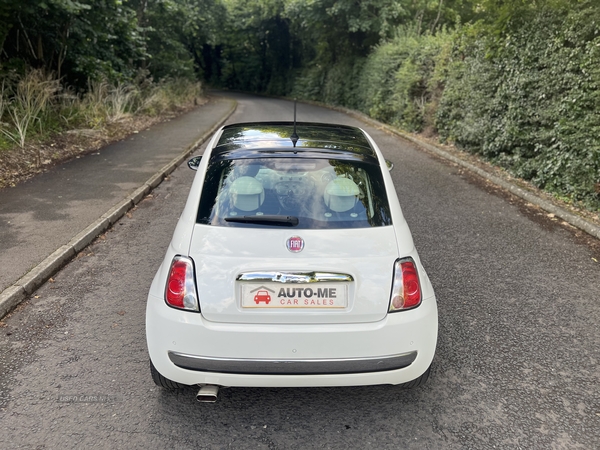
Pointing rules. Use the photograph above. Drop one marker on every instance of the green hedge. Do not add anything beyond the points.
(526, 97)
(400, 82)
(530, 101)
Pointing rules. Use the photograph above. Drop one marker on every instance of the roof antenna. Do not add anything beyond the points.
(294, 137)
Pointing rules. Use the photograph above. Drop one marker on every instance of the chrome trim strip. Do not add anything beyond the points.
(292, 366)
(294, 277)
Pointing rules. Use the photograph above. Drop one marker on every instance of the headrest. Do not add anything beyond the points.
(247, 193)
(341, 194)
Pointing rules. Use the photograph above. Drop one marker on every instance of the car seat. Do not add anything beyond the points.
(341, 194)
(247, 194)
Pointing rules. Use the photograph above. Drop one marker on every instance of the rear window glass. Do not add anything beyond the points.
(319, 193)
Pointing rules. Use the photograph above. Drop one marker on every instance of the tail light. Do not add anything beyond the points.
(181, 287)
(406, 289)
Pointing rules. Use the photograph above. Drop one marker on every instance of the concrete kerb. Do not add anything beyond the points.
(140, 193)
(568, 217)
(40, 273)
(572, 219)
(85, 238)
(11, 297)
(28, 283)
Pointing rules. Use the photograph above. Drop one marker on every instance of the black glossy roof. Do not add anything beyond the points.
(276, 136)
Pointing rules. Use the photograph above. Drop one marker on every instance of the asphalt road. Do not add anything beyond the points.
(44, 213)
(517, 364)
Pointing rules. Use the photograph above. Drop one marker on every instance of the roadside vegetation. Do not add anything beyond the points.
(514, 82)
(75, 75)
(44, 123)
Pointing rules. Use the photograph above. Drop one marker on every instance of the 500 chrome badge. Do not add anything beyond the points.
(295, 244)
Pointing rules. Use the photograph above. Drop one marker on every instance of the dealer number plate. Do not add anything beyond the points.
(278, 295)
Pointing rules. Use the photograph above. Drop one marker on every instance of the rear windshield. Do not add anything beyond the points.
(319, 193)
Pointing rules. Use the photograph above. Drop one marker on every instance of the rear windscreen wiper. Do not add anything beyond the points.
(285, 221)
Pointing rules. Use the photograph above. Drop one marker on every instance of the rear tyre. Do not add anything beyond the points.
(417, 382)
(163, 382)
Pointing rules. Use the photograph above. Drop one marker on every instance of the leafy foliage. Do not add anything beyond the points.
(36, 105)
(399, 83)
(529, 100)
(29, 104)
(259, 50)
(515, 81)
(80, 39)
(178, 34)
(115, 40)
(520, 88)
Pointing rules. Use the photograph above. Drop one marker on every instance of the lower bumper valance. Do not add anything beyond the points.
(292, 366)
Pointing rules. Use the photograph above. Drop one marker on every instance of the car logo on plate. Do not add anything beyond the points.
(295, 244)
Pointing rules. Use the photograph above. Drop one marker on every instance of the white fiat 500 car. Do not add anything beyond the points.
(291, 265)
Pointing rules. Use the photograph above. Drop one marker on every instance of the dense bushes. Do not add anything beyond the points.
(519, 84)
(525, 96)
(112, 40)
(407, 96)
(398, 83)
(85, 63)
(529, 100)
(35, 105)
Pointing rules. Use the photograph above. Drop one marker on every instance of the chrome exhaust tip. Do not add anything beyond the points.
(208, 393)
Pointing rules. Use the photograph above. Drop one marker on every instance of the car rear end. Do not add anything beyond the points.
(291, 268)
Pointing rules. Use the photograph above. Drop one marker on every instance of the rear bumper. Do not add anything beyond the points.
(186, 348)
(291, 366)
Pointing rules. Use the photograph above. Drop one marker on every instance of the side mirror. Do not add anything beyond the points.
(194, 162)
(388, 163)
